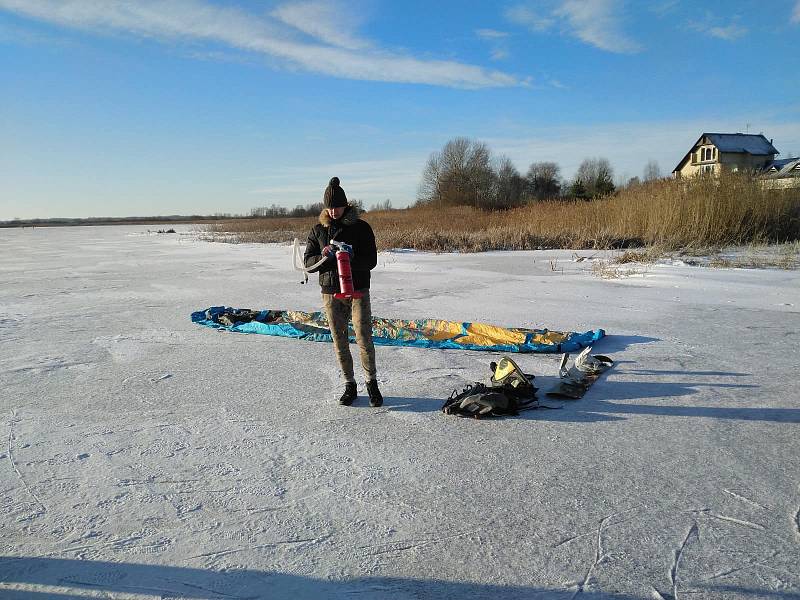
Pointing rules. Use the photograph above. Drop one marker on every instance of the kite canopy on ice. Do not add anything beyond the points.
(422, 333)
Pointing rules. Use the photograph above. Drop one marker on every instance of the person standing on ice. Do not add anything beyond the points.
(339, 221)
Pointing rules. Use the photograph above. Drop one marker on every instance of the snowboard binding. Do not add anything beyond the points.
(576, 380)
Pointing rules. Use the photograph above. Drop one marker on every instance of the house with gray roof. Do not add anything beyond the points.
(783, 173)
(713, 152)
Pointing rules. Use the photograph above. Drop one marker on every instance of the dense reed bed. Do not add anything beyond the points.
(671, 214)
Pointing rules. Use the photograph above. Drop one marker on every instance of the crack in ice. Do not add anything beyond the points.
(42, 508)
(673, 573)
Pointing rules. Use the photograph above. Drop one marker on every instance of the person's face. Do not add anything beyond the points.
(336, 213)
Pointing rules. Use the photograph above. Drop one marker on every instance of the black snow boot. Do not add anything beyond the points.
(375, 398)
(350, 394)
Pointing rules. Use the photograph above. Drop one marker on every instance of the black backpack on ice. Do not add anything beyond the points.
(509, 391)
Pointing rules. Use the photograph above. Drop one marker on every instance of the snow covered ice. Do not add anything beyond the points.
(147, 457)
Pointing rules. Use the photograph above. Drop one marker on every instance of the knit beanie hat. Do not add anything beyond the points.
(334, 195)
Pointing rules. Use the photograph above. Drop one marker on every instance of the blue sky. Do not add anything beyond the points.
(117, 108)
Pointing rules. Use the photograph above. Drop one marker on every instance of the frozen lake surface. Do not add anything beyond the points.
(146, 457)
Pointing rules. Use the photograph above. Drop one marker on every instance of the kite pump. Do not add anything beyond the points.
(345, 274)
(343, 263)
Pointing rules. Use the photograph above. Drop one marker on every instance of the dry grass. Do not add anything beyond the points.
(606, 269)
(667, 215)
(785, 257)
(650, 254)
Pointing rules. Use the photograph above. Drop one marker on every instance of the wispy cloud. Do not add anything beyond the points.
(796, 13)
(731, 32)
(595, 22)
(491, 34)
(711, 25)
(200, 21)
(527, 17)
(497, 40)
(499, 54)
(664, 7)
(328, 21)
(598, 23)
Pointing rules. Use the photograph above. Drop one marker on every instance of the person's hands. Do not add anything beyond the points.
(329, 251)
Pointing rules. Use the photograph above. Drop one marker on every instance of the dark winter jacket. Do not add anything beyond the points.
(350, 230)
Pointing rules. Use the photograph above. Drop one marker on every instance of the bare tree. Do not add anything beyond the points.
(543, 180)
(269, 211)
(652, 171)
(385, 205)
(430, 186)
(596, 176)
(509, 185)
(460, 173)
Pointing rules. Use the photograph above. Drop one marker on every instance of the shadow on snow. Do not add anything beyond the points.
(608, 401)
(63, 579)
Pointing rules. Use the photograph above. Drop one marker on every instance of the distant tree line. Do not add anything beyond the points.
(308, 210)
(275, 211)
(69, 221)
(463, 172)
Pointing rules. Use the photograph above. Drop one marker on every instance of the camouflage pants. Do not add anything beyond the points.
(339, 313)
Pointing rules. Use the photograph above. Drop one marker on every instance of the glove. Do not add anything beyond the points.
(329, 251)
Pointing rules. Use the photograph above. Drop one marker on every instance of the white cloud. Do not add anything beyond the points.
(197, 20)
(325, 20)
(595, 22)
(664, 7)
(731, 32)
(491, 34)
(497, 41)
(711, 25)
(499, 54)
(796, 13)
(525, 16)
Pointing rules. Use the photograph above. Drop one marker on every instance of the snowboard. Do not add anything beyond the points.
(576, 380)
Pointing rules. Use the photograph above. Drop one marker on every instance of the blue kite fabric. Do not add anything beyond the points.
(419, 333)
